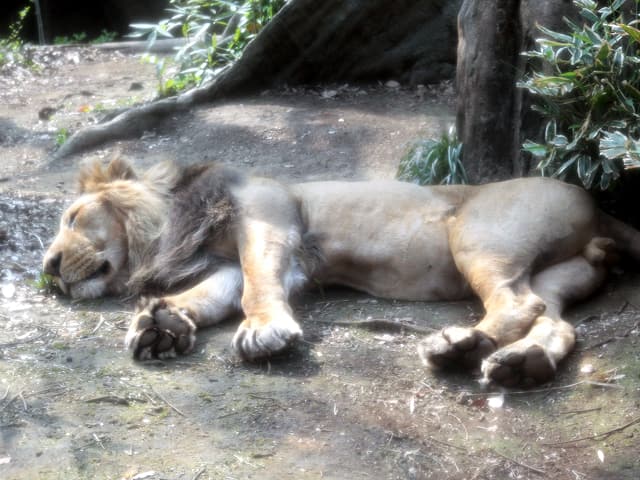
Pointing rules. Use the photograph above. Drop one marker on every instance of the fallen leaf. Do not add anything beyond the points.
(143, 475)
(496, 402)
(587, 368)
(8, 290)
(600, 456)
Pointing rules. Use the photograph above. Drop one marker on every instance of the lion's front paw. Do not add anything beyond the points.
(160, 330)
(455, 347)
(521, 363)
(257, 339)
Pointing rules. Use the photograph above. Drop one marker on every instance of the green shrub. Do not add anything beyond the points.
(11, 48)
(588, 88)
(434, 162)
(105, 36)
(80, 37)
(215, 32)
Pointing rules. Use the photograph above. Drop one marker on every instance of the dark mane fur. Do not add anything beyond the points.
(201, 211)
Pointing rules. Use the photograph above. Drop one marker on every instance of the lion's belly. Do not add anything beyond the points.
(385, 238)
(415, 269)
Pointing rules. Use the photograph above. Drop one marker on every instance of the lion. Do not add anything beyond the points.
(203, 243)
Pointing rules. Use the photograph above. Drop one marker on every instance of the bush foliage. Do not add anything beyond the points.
(434, 162)
(11, 47)
(587, 86)
(215, 32)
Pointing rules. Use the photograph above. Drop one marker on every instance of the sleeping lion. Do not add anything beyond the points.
(203, 243)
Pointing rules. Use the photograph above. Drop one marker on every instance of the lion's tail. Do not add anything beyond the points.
(627, 238)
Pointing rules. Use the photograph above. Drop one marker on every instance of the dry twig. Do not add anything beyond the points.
(570, 412)
(543, 390)
(26, 340)
(446, 444)
(597, 436)
(109, 399)
(523, 465)
(379, 324)
(98, 441)
(5, 394)
(97, 327)
(175, 409)
(11, 400)
(198, 473)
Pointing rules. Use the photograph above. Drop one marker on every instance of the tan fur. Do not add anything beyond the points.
(526, 247)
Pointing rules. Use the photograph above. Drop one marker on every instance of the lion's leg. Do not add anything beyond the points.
(534, 358)
(269, 241)
(270, 273)
(497, 238)
(510, 305)
(166, 326)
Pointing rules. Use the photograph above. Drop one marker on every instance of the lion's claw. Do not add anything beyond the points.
(255, 342)
(455, 347)
(160, 330)
(521, 363)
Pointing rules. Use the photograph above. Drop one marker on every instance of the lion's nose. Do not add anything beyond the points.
(52, 265)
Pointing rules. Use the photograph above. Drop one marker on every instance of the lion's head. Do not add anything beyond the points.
(104, 233)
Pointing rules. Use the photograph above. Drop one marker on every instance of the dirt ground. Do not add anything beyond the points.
(344, 403)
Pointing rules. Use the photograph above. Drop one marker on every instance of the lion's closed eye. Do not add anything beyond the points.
(72, 219)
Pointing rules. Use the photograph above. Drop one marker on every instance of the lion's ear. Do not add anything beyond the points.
(119, 169)
(94, 176)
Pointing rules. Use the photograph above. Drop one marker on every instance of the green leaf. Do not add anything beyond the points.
(550, 131)
(603, 53)
(535, 149)
(564, 168)
(559, 141)
(613, 145)
(561, 37)
(589, 15)
(617, 4)
(634, 33)
(593, 36)
(609, 167)
(618, 58)
(587, 4)
(584, 165)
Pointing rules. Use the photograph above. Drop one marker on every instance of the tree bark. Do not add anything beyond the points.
(488, 50)
(493, 115)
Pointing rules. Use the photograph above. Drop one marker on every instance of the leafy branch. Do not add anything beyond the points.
(588, 87)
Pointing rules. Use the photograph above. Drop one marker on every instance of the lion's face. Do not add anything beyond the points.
(88, 257)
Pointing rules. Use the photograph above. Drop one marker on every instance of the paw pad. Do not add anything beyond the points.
(253, 342)
(520, 363)
(160, 330)
(455, 347)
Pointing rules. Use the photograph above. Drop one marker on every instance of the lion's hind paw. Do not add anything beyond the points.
(455, 347)
(255, 340)
(521, 363)
(160, 330)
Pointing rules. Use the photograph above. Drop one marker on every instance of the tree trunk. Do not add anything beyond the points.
(411, 41)
(494, 117)
(488, 49)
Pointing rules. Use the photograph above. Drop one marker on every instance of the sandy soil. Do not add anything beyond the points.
(346, 402)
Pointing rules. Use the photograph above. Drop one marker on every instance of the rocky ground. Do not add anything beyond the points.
(346, 402)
